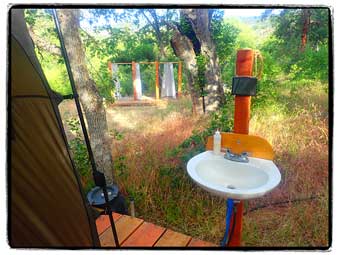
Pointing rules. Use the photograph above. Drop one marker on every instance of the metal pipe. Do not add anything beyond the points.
(229, 213)
(132, 207)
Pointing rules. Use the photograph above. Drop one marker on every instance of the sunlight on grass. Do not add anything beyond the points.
(147, 167)
(299, 136)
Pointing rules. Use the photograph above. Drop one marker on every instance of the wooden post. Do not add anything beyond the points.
(179, 78)
(109, 65)
(134, 80)
(157, 79)
(244, 67)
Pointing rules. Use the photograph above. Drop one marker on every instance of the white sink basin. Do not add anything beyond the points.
(230, 179)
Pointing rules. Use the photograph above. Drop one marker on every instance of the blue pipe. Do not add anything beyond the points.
(230, 206)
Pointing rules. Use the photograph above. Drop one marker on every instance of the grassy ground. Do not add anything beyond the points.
(297, 127)
(295, 123)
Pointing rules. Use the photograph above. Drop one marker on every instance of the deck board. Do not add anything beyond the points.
(199, 243)
(125, 226)
(103, 222)
(145, 236)
(134, 232)
(172, 238)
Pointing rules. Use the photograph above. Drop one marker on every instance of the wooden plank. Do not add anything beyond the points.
(134, 80)
(256, 145)
(103, 222)
(125, 226)
(199, 243)
(157, 79)
(145, 236)
(172, 238)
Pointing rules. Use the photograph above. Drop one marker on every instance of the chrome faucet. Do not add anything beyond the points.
(243, 157)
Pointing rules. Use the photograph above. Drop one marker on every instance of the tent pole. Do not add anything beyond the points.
(98, 176)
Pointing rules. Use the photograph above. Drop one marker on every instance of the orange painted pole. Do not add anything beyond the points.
(134, 80)
(179, 79)
(244, 67)
(157, 79)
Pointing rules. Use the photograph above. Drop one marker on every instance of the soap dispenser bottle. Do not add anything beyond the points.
(217, 143)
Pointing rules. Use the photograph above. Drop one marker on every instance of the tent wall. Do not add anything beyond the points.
(46, 202)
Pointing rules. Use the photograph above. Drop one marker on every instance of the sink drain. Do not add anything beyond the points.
(231, 187)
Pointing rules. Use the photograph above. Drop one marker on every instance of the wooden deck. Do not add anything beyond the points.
(135, 232)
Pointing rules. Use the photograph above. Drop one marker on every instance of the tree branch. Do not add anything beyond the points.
(88, 35)
(44, 44)
(150, 22)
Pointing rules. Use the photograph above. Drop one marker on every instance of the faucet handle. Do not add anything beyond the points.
(245, 153)
(228, 151)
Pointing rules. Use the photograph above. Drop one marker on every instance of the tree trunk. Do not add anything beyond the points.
(306, 23)
(90, 99)
(200, 22)
(184, 49)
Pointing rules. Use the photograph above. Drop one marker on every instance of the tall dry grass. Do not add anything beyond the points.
(296, 124)
(298, 132)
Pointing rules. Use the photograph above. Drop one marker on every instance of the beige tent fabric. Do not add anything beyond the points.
(47, 206)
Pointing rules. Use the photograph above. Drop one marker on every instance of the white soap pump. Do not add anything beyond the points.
(217, 143)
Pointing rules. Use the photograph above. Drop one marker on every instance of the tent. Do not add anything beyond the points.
(47, 206)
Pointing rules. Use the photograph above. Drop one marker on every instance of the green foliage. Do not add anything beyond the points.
(312, 64)
(289, 24)
(229, 36)
(220, 120)
(103, 43)
(133, 38)
(116, 134)
(41, 23)
(125, 79)
(224, 35)
(80, 155)
(56, 75)
(120, 168)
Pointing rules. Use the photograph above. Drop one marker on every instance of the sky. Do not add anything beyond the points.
(247, 12)
(227, 13)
